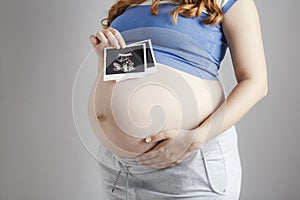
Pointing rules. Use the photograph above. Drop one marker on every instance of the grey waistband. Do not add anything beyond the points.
(130, 165)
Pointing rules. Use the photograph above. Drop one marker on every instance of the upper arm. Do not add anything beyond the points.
(241, 27)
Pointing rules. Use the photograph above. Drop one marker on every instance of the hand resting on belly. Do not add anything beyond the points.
(123, 114)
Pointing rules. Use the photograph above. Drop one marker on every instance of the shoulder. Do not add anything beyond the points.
(243, 16)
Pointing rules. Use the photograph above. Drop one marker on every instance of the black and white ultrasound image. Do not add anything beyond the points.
(127, 60)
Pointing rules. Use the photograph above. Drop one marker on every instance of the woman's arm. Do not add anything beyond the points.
(241, 27)
(242, 30)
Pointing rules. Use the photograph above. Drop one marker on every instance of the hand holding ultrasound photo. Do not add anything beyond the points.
(134, 61)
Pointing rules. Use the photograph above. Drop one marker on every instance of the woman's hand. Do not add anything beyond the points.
(106, 38)
(175, 146)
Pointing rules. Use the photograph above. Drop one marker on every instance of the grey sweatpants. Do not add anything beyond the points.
(211, 172)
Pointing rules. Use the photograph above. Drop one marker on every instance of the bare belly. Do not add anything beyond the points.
(123, 113)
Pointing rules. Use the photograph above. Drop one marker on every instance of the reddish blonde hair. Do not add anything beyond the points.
(186, 8)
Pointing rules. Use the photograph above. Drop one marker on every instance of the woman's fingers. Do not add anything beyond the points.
(100, 35)
(112, 39)
(118, 36)
(94, 41)
(106, 38)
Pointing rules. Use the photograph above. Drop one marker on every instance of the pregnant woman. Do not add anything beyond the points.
(171, 134)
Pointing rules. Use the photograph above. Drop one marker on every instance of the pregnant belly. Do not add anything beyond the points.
(123, 113)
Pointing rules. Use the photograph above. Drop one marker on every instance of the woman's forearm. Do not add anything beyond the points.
(100, 65)
(240, 100)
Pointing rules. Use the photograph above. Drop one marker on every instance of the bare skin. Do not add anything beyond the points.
(241, 28)
(122, 144)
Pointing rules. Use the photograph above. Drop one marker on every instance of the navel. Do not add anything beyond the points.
(101, 117)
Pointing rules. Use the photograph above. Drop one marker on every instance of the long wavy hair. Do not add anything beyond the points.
(186, 8)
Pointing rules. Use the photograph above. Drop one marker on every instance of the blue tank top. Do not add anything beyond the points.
(190, 45)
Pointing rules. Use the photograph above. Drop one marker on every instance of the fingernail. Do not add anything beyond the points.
(148, 139)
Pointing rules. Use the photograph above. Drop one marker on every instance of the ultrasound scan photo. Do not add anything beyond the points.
(136, 60)
(149, 55)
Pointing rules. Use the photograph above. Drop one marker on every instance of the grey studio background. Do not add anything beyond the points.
(42, 44)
